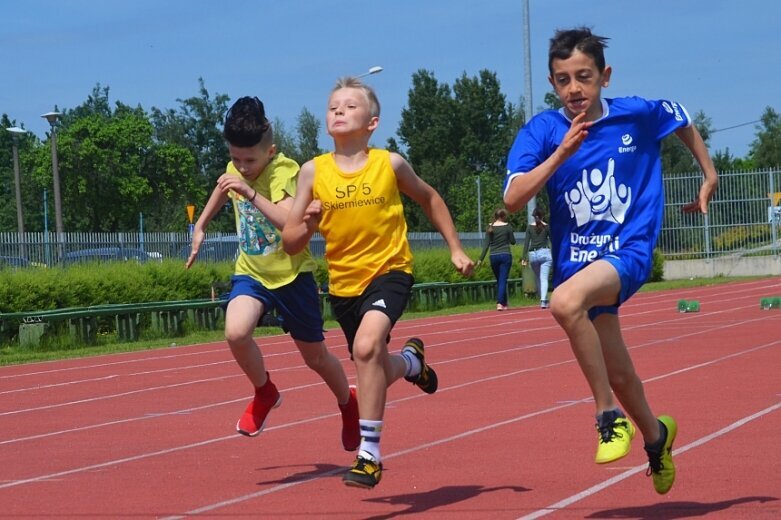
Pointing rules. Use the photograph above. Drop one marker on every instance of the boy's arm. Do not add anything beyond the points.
(304, 214)
(691, 137)
(276, 213)
(523, 187)
(434, 206)
(216, 201)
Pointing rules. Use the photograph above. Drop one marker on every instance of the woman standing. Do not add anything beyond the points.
(537, 251)
(498, 238)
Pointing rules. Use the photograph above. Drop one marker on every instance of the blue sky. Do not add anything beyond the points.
(718, 56)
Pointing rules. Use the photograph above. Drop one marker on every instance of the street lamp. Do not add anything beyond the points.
(15, 133)
(52, 117)
(373, 70)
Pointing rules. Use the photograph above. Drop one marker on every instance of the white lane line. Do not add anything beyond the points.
(558, 506)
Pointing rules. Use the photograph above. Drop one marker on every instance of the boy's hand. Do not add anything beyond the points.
(575, 136)
(228, 182)
(463, 263)
(198, 237)
(313, 214)
(523, 262)
(700, 204)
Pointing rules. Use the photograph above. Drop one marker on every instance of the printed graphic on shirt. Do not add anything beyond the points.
(257, 236)
(597, 197)
(351, 196)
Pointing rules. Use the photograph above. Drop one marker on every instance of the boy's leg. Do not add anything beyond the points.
(658, 433)
(598, 284)
(376, 369)
(318, 358)
(241, 318)
(622, 376)
(595, 285)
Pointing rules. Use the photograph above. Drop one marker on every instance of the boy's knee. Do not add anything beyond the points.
(237, 337)
(315, 358)
(365, 352)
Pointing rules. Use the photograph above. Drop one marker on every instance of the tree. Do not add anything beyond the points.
(452, 136)
(765, 150)
(197, 126)
(676, 158)
(308, 130)
(112, 169)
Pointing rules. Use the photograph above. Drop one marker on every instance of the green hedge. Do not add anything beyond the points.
(96, 284)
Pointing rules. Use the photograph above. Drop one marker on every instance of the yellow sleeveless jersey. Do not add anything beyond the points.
(362, 222)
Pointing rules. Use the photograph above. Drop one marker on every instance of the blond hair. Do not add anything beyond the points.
(356, 83)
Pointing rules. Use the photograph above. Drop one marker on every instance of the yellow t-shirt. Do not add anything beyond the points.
(260, 244)
(362, 222)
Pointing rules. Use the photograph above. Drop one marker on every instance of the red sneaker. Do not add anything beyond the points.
(254, 418)
(351, 430)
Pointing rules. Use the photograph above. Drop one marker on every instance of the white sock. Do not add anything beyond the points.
(412, 362)
(371, 431)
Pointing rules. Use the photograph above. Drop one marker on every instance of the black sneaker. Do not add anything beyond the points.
(364, 473)
(427, 379)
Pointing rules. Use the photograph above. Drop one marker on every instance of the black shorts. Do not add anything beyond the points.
(388, 293)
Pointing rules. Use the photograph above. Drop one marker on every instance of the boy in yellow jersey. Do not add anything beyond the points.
(262, 186)
(353, 196)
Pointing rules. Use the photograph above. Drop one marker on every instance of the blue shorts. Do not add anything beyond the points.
(632, 272)
(297, 304)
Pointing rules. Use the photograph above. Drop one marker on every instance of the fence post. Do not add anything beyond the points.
(773, 219)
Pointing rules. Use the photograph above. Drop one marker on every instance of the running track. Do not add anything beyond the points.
(508, 435)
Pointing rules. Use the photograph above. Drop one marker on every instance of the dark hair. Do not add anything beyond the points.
(538, 212)
(565, 42)
(245, 122)
(500, 213)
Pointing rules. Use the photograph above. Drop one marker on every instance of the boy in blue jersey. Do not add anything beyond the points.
(600, 162)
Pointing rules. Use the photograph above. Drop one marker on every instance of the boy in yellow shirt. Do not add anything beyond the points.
(352, 195)
(262, 185)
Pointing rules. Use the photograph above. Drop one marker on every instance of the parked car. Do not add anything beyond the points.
(216, 249)
(108, 254)
(13, 262)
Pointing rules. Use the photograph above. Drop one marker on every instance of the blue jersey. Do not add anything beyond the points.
(607, 198)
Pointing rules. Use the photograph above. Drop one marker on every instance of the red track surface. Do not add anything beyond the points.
(509, 434)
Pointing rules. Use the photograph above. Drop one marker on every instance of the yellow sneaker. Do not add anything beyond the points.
(615, 434)
(660, 463)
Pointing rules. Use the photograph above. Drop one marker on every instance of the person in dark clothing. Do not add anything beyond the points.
(498, 238)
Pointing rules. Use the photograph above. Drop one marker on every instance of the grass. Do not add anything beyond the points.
(15, 355)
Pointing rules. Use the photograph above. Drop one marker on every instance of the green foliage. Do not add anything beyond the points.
(118, 161)
(657, 268)
(452, 136)
(104, 283)
(766, 148)
(742, 237)
(676, 158)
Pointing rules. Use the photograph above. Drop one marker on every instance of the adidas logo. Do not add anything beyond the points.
(379, 303)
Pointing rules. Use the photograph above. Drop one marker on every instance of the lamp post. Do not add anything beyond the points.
(373, 70)
(15, 133)
(52, 117)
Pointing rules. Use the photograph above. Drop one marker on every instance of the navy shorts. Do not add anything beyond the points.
(632, 272)
(388, 293)
(297, 304)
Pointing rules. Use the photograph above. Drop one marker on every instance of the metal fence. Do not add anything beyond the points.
(744, 218)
